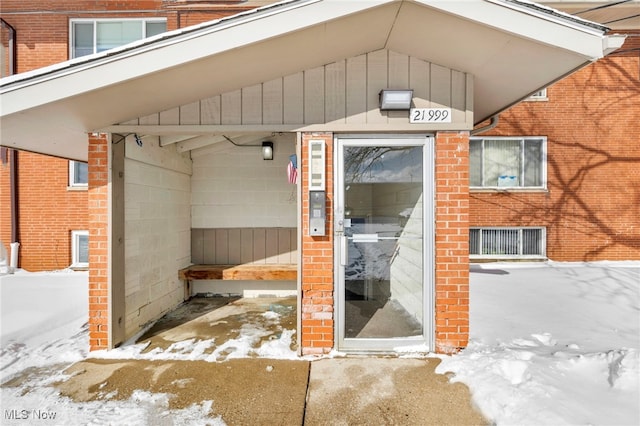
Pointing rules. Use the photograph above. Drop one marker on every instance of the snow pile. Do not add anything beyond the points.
(553, 344)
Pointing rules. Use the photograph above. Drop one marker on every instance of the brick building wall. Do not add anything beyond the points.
(47, 209)
(591, 207)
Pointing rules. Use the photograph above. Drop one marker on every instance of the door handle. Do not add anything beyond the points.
(344, 247)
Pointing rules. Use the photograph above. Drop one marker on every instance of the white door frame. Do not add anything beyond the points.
(426, 342)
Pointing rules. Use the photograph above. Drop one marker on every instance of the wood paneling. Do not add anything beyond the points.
(274, 272)
(223, 246)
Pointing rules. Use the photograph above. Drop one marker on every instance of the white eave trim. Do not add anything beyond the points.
(159, 41)
(330, 10)
(553, 15)
(568, 33)
(612, 43)
(469, 9)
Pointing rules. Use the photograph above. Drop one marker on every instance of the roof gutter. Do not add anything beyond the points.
(495, 119)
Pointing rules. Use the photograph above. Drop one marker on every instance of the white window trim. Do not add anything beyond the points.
(73, 185)
(542, 187)
(541, 256)
(94, 21)
(539, 96)
(74, 249)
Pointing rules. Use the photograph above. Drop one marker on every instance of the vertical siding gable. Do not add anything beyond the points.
(356, 101)
(343, 92)
(272, 109)
(335, 92)
(210, 110)
(293, 95)
(314, 95)
(377, 78)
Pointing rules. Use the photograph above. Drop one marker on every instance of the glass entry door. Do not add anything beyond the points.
(382, 213)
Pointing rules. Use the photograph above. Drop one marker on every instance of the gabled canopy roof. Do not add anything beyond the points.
(512, 49)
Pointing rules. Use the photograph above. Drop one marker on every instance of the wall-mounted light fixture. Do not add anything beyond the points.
(399, 100)
(267, 150)
(267, 147)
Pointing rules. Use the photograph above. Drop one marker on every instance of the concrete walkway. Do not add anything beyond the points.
(257, 391)
(260, 391)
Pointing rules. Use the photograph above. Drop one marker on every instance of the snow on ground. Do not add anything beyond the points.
(43, 326)
(551, 343)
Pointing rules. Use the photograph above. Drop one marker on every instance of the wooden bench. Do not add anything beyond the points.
(260, 272)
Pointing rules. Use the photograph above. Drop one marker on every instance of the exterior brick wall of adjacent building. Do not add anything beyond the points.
(47, 208)
(591, 207)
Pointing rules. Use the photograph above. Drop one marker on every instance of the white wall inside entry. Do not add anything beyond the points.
(233, 187)
(157, 233)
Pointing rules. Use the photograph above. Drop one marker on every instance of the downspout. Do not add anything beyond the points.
(13, 50)
(13, 161)
(15, 230)
(493, 123)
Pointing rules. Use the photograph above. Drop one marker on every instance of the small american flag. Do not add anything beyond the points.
(292, 169)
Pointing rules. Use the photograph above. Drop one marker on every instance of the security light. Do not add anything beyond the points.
(395, 99)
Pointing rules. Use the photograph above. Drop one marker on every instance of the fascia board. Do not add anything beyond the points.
(185, 47)
(528, 23)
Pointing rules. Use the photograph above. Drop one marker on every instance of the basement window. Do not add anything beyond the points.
(79, 249)
(508, 243)
(90, 36)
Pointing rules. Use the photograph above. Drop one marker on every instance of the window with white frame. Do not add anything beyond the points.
(507, 162)
(96, 35)
(540, 95)
(518, 242)
(78, 174)
(79, 249)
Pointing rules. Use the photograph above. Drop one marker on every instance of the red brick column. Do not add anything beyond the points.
(452, 241)
(316, 336)
(98, 242)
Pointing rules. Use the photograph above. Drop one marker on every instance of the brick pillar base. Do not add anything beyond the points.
(98, 242)
(316, 336)
(452, 241)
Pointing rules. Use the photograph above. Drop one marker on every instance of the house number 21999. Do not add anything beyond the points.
(430, 115)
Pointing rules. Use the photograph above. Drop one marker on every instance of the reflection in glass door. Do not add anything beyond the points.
(380, 243)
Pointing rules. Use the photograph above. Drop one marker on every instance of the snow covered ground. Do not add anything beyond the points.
(551, 343)
(554, 343)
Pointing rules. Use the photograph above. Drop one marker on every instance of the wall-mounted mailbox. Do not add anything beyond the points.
(317, 213)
